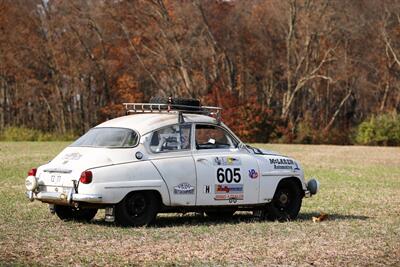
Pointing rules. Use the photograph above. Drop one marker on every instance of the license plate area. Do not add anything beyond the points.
(53, 179)
(54, 189)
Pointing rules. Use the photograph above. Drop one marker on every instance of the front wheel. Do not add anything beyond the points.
(286, 204)
(137, 209)
(67, 213)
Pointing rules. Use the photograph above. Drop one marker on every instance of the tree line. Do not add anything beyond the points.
(305, 71)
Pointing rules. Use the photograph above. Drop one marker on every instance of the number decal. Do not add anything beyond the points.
(236, 174)
(220, 175)
(228, 175)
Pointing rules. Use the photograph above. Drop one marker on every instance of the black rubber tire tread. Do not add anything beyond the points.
(67, 213)
(123, 218)
(194, 104)
(220, 214)
(274, 213)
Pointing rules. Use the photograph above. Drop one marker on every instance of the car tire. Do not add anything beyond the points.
(286, 203)
(67, 213)
(191, 103)
(220, 214)
(137, 209)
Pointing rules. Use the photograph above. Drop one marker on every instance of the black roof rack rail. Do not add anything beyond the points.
(135, 108)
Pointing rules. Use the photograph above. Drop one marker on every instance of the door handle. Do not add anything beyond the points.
(201, 159)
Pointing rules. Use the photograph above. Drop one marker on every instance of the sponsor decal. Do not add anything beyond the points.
(206, 189)
(228, 188)
(296, 168)
(184, 189)
(282, 164)
(229, 192)
(253, 174)
(232, 197)
(72, 156)
(227, 161)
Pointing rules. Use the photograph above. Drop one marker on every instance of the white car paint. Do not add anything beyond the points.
(182, 178)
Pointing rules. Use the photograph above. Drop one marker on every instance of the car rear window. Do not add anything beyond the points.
(108, 137)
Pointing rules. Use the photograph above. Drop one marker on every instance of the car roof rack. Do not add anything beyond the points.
(135, 108)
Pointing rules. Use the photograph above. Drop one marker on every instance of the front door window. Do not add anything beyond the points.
(213, 137)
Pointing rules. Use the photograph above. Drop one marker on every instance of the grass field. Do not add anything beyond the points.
(360, 192)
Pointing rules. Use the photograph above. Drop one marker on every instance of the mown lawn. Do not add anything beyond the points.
(360, 192)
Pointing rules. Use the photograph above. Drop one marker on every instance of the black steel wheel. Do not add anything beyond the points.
(67, 213)
(137, 209)
(286, 204)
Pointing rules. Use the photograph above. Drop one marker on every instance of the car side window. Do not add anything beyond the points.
(171, 138)
(213, 137)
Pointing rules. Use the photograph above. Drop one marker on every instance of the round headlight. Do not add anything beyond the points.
(31, 183)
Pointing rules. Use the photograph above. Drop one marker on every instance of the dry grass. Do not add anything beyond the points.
(360, 193)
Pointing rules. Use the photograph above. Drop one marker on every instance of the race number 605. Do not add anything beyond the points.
(228, 175)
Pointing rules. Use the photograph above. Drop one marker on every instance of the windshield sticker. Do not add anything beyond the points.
(282, 164)
(227, 161)
(253, 174)
(184, 189)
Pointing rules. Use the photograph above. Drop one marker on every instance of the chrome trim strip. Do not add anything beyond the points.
(59, 170)
(86, 198)
(133, 186)
(68, 197)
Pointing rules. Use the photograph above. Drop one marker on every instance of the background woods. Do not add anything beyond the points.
(293, 71)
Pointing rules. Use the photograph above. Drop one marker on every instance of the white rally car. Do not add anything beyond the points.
(169, 156)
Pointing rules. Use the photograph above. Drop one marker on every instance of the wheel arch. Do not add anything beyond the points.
(294, 179)
(155, 192)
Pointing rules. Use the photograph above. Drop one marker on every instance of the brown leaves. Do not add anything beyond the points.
(322, 217)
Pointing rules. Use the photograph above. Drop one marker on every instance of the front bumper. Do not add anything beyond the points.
(68, 198)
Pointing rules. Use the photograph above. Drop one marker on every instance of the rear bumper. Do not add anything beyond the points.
(56, 197)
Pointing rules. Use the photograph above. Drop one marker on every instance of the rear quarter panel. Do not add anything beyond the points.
(114, 182)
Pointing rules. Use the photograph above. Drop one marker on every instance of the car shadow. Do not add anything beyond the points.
(307, 216)
(198, 219)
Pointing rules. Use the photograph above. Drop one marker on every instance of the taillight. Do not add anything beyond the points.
(86, 177)
(32, 172)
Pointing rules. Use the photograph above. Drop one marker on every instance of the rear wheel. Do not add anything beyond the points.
(67, 213)
(286, 204)
(137, 209)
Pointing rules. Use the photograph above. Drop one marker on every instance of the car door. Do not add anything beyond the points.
(226, 175)
(171, 154)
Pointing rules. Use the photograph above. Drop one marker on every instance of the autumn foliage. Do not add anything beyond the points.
(284, 71)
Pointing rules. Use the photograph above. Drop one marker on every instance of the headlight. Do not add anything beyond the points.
(31, 183)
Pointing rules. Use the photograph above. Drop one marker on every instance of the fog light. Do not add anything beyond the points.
(313, 186)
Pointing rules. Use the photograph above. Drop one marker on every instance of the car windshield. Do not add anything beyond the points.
(108, 137)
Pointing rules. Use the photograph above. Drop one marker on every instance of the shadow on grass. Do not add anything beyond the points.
(197, 219)
(307, 216)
